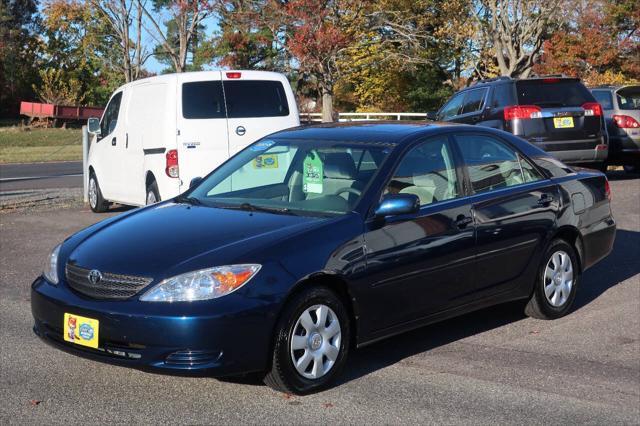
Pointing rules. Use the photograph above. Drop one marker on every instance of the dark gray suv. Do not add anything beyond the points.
(556, 113)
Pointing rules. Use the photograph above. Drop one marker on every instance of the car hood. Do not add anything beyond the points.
(172, 238)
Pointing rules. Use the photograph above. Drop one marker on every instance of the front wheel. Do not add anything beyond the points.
(556, 283)
(311, 342)
(96, 202)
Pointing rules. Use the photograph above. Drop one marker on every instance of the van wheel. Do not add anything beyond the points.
(153, 195)
(556, 283)
(96, 202)
(311, 342)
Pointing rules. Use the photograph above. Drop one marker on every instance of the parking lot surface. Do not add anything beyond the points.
(491, 366)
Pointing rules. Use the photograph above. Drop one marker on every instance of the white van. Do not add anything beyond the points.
(158, 133)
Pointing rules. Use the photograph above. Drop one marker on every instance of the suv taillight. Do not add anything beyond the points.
(592, 109)
(171, 168)
(522, 112)
(626, 122)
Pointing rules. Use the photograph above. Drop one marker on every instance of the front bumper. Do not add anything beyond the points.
(214, 338)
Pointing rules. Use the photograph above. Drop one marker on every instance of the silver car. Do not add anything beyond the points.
(621, 105)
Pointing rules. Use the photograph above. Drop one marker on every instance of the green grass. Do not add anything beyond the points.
(25, 145)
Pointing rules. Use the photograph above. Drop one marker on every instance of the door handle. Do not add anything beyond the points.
(475, 119)
(462, 221)
(126, 140)
(113, 142)
(544, 200)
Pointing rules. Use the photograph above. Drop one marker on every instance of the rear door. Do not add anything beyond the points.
(258, 103)
(202, 139)
(515, 209)
(473, 106)
(567, 114)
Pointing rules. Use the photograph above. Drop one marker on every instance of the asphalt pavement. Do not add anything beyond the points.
(492, 366)
(25, 176)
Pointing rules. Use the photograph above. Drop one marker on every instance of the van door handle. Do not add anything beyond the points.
(462, 221)
(126, 140)
(113, 142)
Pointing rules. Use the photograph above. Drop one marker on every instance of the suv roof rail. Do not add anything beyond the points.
(551, 76)
(489, 80)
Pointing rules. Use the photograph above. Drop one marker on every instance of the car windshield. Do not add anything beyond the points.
(293, 177)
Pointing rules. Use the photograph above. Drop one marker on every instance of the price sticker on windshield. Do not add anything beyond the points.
(266, 161)
(312, 174)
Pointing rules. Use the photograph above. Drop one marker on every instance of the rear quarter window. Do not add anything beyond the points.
(549, 93)
(255, 98)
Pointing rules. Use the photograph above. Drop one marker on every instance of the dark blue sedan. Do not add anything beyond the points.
(314, 241)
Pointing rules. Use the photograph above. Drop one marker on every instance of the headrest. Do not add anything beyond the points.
(339, 165)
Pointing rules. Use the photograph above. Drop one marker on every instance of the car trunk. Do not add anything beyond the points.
(567, 115)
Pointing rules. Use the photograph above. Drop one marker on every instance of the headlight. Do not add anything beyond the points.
(201, 285)
(51, 268)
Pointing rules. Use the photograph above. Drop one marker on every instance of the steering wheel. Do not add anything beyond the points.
(348, 189)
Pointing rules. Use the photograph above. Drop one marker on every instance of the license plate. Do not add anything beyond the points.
(563, 122)
(81, 330)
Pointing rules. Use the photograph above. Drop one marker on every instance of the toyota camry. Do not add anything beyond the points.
(318, 240)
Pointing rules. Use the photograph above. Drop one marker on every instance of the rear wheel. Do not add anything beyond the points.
(153, 195)
(556, 283)
(311, 342)
(96, 202)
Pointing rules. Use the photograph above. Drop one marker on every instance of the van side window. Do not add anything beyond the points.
(255, 98)
(427, 171)
(110, 118)
(452, 108)
(491, 164)
(202, 99)
(474, 101)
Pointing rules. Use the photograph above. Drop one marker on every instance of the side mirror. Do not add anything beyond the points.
(397, 204)
(432, 115)
(94, 125)
(195, 182)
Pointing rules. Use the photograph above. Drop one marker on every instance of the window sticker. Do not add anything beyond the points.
(266, 161)
(262, 145)
(312, 174)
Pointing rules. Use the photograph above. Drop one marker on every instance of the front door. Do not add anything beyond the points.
(515, 209)
(108, 153)
(420, 264)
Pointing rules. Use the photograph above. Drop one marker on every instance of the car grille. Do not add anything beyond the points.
(110, 286)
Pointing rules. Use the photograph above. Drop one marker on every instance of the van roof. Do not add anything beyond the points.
(207, 75)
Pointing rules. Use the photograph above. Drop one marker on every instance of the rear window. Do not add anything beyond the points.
(203, 99)
(629, 98)
(549, 93)
(257, 98)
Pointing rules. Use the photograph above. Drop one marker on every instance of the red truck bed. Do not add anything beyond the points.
(39, 110)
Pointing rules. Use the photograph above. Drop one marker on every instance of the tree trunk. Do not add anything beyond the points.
(327, 106)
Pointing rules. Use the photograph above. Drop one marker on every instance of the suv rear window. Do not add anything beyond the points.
(549, 93)
(255, 98)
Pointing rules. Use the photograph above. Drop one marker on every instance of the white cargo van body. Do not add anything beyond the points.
(158, 133)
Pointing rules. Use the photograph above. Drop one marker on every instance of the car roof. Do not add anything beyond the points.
(366, 131)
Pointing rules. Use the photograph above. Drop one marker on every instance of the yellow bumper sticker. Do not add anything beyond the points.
(81, 330)
(266, 161)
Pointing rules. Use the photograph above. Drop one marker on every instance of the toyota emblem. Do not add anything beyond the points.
(95, 276)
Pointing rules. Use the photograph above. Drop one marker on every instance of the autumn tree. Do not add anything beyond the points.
(182, 28)
(515, 31)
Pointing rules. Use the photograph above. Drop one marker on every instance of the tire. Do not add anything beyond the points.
(293, 341)
(555, 301)
(153, 195)
(97, 203)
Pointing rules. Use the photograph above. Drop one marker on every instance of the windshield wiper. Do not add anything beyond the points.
(189, 200)
(253, 208)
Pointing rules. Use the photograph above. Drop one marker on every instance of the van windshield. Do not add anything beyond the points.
(293, 177)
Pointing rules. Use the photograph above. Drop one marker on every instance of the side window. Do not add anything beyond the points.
(502, 96)
(474, 101)
(110, 117)
(604, 98)
(428, 171)
(452, 107)
(203, 99)
(530, 173)
(491, 163)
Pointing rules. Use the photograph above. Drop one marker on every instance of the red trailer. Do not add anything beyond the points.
(61, 112)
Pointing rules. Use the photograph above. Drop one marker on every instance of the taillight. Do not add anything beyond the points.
(626, 122)
(234, 74)
(592, 109)
(171, 168)
(522, 112)
(607, 189)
